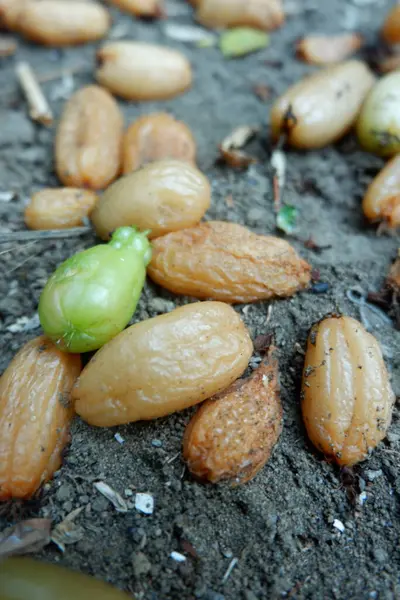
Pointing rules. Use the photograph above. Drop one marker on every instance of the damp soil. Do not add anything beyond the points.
(279, 527)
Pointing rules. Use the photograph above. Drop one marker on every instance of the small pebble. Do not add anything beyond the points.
(141, 564)
(178, 557)
(372, 475)
(156, 443)
(338, 525)
(144, 503)
(119, 438)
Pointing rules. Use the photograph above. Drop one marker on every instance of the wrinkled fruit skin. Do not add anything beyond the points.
(28, 579)
(35, 413)
(140, 71)
(59, 208)
(62, 22)
(227, 262)
(260, 14)
(391, 26)
(92, 296)
(141, 8)
(164, 196)
(89, 140)
(163, 365)
(378, 126)
(382, 198)
(321, 108)
(347, 399)
(232, 435)
(157, 137)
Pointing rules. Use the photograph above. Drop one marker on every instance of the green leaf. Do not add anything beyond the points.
(286, 218)
(241, 41)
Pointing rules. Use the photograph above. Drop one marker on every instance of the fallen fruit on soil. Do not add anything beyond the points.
(10, 11)
(28, 579)
(92, 296)
(163, 365)
(328, 49)
(140, 71)
(35, 413)
(391, 26)
(321, 108)
(59, 208)
(62, 22)
(378, 126)
(382, 199)
(157, 137)
(227, 262)
(89, 139)
(261, 14)
(164, 196)
(232, 435)
(141, 8)
(347, 399)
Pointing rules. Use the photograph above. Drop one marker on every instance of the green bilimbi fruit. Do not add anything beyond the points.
(92, 296)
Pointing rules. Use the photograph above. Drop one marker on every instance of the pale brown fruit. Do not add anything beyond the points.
(232, 435)
(163, 196)
(164, 365)
(328, 49)
(261, 14)
(141, 8)
(347, 399)
(89, 139)
(227, 262)
(35, 413)
(140, 71)
(62, 22)
(10, 11)
(321, 108)
(156, 137)
(382, 198)
(59, 208)
(391, 26)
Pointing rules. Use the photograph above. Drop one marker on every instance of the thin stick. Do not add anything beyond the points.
(229, 570)
(48, 234)
(39, 110)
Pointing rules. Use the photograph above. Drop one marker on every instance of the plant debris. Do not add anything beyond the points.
(286, 218)
(39, 109)
(25, 537)
(371, 316)
(278, 164)
(241, 41)
(328, 49)
(116, 499)
(25, 324)
(229, 570)
(230, 147)
(189, 33)
(67, 532)
(178, 557)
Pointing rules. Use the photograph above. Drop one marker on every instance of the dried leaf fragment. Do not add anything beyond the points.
(67, 532)
(241, 41)
(230, 147)
(232, 435)
(328, 49)
(286, 218)
(114, 497)
(25, 537)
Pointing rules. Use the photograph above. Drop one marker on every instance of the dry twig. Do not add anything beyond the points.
(39, 110)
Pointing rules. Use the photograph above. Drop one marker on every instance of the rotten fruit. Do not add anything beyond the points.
(92, 296)
(163, 196)
(227, 262)
(35, 414)
(163, 365)
(232, 434)
(89, 139)
(347, 399)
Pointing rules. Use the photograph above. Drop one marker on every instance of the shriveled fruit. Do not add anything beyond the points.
(35, 413)
(62, 22)
(59, 208)
(321, 108)
(156, 137)
(163, 196)
(391, 26)
(28, 579)
(140, 71)
(89, 139)
(225, 261)
(327, 49)
(347, 400)
(141, 8)
(10, 10)
(382, 199)
(378, 126)
(163, 365)
(262, 14)
(232, 435)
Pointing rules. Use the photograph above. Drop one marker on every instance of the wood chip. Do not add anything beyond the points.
(39, 109)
